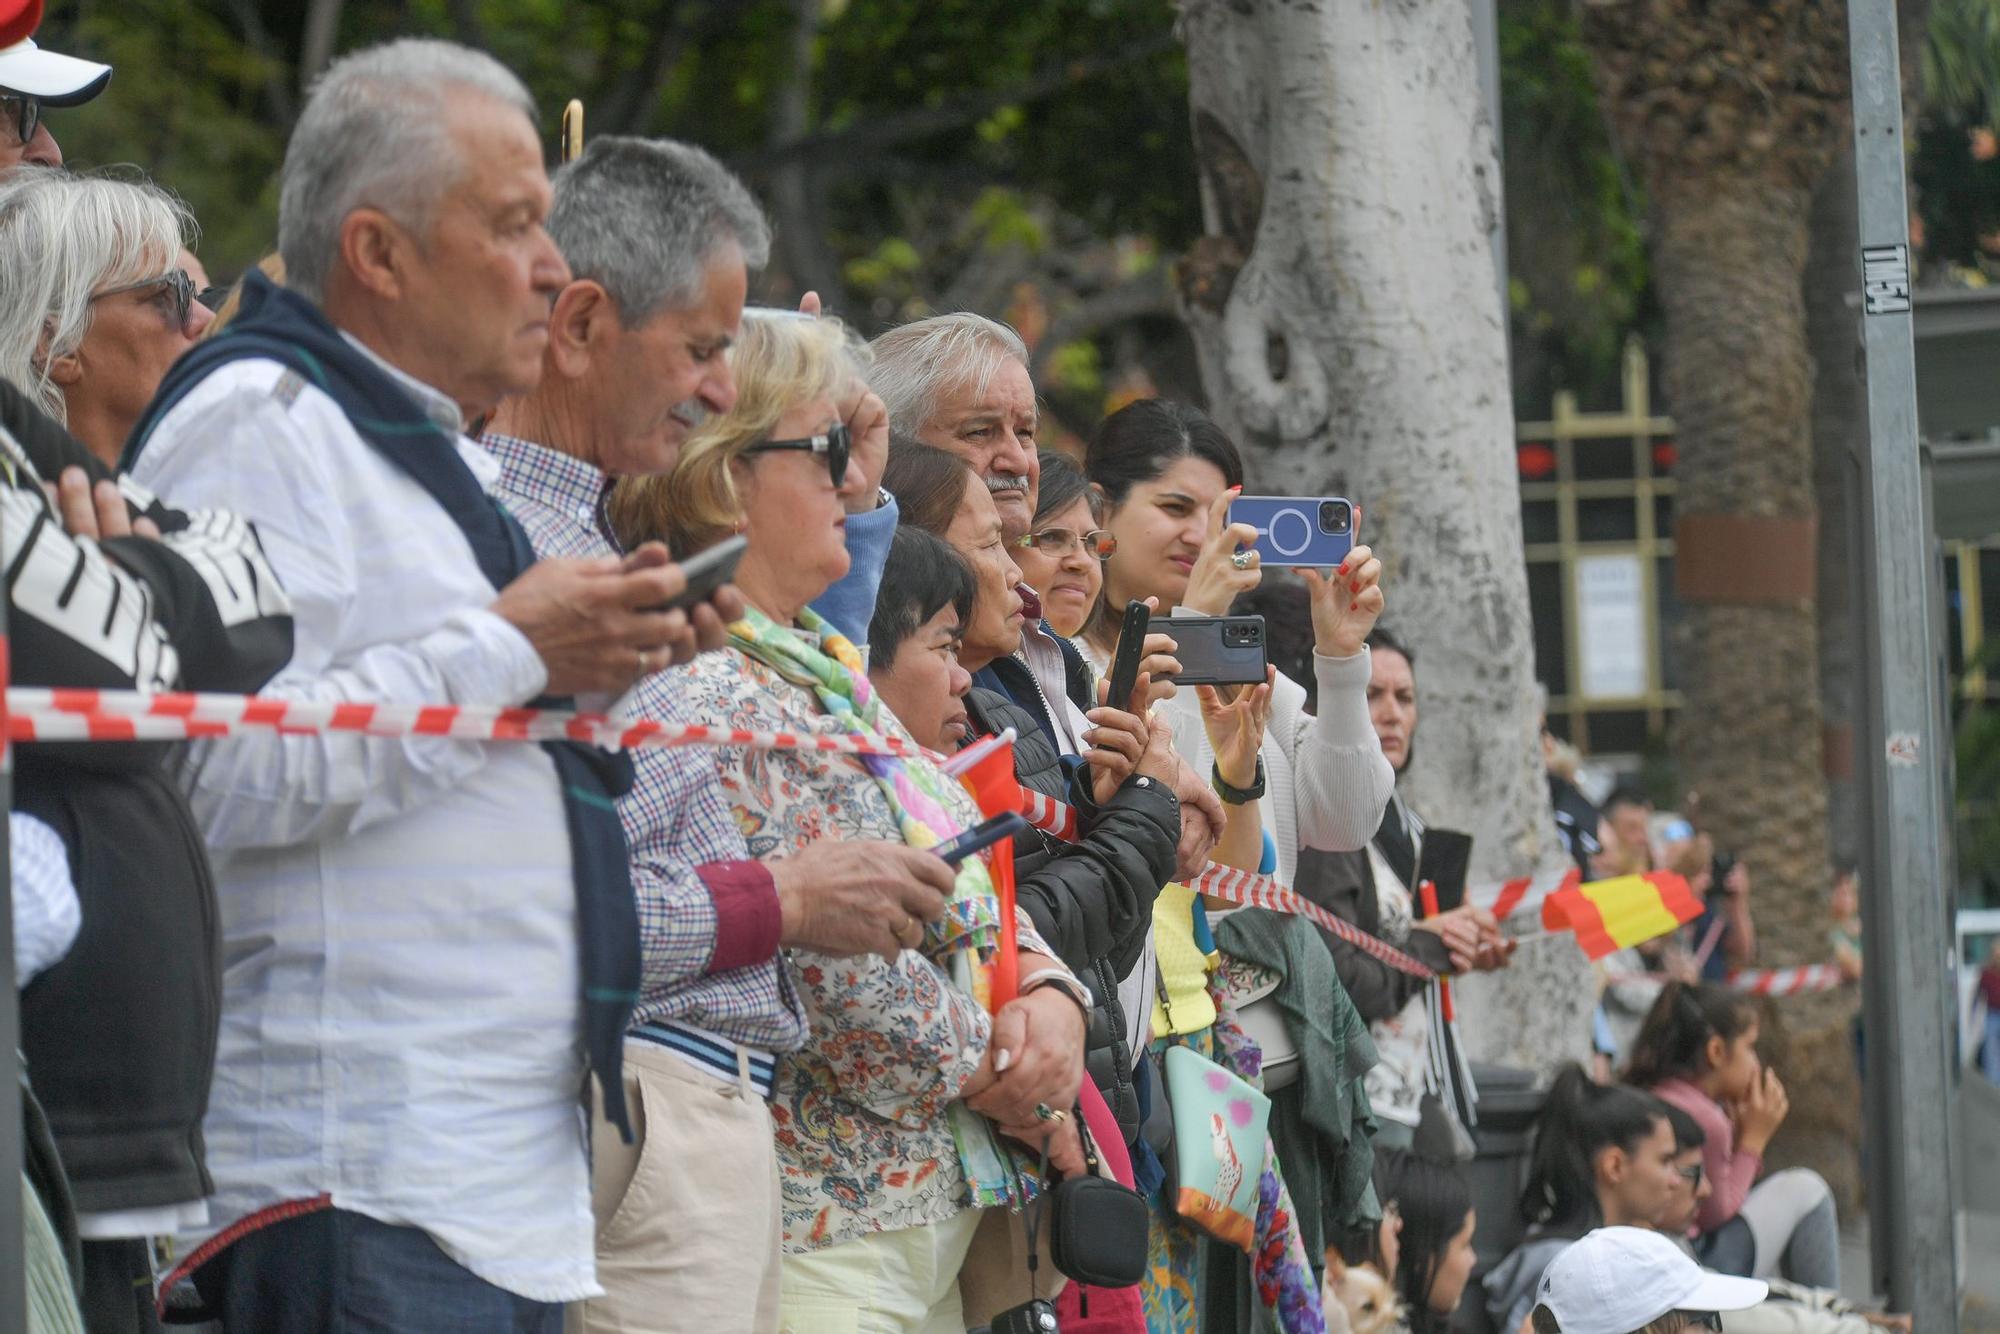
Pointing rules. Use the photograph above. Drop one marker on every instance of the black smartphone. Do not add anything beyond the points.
(1443, 860)
(982, 835)
(1125, 660)
(1217, 650)
(708, 570)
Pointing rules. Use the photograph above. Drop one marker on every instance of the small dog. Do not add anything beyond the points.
(1357, 1300)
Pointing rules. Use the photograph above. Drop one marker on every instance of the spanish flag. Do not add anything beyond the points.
(987, 769)
(1610, 915)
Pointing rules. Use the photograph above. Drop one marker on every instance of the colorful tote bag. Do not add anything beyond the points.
(1220, 1125)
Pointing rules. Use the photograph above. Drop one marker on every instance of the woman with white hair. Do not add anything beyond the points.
(94, 303)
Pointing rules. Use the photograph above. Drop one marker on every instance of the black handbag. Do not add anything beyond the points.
(1097, 1227)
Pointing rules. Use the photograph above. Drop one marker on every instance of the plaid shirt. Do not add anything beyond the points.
(708, 912)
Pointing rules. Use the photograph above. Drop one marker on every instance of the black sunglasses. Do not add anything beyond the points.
(834, 444)
(27, 114)
(180, 287)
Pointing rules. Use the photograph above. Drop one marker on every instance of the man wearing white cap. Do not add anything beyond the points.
(32, 80)
(1630, 1280)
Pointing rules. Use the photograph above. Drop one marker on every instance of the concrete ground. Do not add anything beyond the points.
(1979, 1274)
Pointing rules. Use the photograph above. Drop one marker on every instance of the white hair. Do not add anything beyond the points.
(645, 217)
(374, 134)
(63, 239)
(917, 363)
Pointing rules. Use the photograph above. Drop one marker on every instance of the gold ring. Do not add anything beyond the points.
(1048, 1113)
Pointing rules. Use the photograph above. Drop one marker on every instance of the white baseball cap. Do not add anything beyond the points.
(1621, 1279)
(57, 80)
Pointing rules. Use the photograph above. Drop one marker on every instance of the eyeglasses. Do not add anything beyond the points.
(1691, 1175)
(27, 114)
(179, 286)
(834, 444)
(1059, 542)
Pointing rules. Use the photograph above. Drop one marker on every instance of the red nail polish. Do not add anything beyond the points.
(1341, 570)
(1357, 585)
(1354, 606)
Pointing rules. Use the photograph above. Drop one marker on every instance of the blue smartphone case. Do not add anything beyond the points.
(1299, 530)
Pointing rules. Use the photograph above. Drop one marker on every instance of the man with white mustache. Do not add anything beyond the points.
(960, 382)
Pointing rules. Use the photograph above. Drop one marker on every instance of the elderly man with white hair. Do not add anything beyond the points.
(960, 382)
(425, 936)
(659, 238)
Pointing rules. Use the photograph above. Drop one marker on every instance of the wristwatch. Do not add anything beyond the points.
(1063, 982)
(1237, 796)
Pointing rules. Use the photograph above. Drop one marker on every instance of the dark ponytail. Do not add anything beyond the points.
(1580, 1120)
(1673, 1041)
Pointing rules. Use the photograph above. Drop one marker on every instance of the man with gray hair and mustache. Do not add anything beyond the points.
(660, 237)
(960, 382)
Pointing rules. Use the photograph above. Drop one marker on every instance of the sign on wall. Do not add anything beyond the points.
(1611, 626)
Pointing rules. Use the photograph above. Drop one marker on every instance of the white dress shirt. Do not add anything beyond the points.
(401, 1023)
(47, 914)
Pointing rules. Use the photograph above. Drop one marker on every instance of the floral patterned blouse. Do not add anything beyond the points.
(864, 1140)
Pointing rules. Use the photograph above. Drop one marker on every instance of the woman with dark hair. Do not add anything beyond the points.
(1166, 473)
(1603, 1157)
(1435, 1254)
(914, 638)
(1698, 1050)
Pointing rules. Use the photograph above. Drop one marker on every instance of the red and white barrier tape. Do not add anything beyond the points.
(40, 714)
(1801, 980)
(1798, 981)
(43, 714)
(1252, 890)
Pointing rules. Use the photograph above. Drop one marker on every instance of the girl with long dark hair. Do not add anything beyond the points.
(1698, 1050)
(1435, 1255)
(1603, 1157)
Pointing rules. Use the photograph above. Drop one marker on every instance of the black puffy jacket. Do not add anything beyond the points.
(119, 1036)
(1092, 900)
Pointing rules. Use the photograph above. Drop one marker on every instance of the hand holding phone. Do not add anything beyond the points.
(708, 570)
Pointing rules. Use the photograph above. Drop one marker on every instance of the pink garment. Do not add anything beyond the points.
(1112, 1310)
(1731, 1171)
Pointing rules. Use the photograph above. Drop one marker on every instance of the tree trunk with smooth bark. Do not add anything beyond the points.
(1345, 307)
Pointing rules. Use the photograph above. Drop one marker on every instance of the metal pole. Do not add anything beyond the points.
(1910, 942)
(13, 1257)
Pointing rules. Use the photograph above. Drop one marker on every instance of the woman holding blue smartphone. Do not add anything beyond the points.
(1167, 474)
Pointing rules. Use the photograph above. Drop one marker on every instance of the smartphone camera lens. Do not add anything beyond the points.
(1336, 516)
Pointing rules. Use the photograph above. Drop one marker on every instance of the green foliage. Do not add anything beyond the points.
(1578, 276)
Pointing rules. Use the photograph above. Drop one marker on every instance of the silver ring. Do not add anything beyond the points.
(645, 663)
(1243, 560)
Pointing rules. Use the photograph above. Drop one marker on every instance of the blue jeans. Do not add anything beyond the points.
(1989, 1051)
(336, 1272)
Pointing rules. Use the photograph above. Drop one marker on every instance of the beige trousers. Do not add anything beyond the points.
(688, 1225)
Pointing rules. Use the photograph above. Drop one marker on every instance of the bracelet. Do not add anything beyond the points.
(1237, 796)
(1063, 982)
